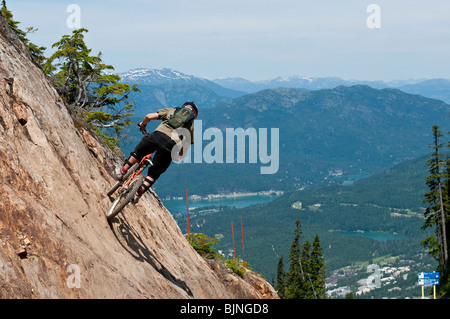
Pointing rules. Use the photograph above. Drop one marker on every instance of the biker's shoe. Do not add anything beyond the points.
(136, 198)
(118, 175)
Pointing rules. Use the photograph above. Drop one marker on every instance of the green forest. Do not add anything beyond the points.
(390, 202)
(305, 278)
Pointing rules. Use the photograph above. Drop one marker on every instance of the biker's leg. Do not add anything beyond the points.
(161, 161)
(148, 182)
(133, 159)
(120, 172)
(145, 146)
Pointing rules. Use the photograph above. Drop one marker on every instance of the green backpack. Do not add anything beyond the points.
(181, 116)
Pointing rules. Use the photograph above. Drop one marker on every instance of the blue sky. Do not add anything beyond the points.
(256, 40)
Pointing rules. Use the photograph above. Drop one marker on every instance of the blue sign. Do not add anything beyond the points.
(428, 278)
(428, 275)
(428, 282)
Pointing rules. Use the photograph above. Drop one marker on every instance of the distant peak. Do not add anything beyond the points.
(155, 75)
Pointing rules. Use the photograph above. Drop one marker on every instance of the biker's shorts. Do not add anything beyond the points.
(161, 146)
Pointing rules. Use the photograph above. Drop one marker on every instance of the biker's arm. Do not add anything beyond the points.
(150, 117)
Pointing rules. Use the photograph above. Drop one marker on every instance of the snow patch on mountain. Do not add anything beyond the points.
(155, 76)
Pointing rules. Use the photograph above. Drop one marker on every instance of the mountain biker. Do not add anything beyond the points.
(160, 142)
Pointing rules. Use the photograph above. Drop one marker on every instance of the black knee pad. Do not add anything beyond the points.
(145, 187)
(127, 160)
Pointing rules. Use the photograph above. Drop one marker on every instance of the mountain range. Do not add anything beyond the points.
(325, 136)
(164, 77)
(433, 88)
(235, 87)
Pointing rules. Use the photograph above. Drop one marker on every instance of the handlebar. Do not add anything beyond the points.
(143, 130)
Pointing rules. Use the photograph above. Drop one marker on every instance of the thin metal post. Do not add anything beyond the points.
(243, 251)
(187, 210)
(232, 234)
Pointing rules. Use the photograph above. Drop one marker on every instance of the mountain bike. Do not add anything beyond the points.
(128, 186)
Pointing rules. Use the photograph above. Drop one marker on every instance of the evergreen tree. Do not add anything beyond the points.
(306, 276)
(317, 268)
(349, 296)
(307, 288)
(435, 214)
(281, 276)
(295, 278)
(446, 200)
(36, 52)
(87, 86)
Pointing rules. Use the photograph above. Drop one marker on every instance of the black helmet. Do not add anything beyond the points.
(194, 107)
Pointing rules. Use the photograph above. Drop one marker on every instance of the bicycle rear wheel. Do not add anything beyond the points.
(124, 178)
(125, 197)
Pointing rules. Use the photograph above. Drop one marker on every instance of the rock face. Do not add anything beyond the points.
(255, 285)
(55, 241)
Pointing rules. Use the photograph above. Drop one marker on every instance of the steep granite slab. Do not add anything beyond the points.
(55, 241)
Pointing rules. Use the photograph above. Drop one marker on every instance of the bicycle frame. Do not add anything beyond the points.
(142, 165)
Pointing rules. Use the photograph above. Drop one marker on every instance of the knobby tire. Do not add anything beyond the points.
(124, 198)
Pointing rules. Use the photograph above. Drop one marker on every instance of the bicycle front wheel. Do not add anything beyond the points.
(125, 197)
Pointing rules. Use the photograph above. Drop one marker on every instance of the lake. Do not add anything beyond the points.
(350, 179)
(378, 236)
(176, 206)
